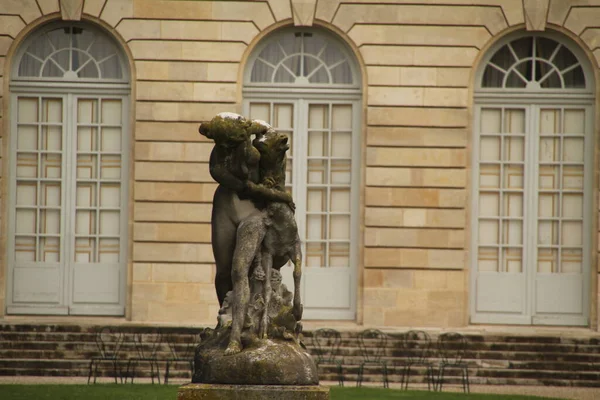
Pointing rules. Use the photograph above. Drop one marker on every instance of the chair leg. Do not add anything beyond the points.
(340, 375)
(386, 383)
(167, 373)
(90, 373)
(430, 378)
(157, 372)
(466, 378)
(360, 376)
(96, 371)
(115, 370)
(441, 378)
(407, 377)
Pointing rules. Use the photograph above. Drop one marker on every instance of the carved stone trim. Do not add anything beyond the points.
(536, 14)
(71, 10)
(303, 12)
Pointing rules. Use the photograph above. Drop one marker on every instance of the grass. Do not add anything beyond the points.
(169, 392)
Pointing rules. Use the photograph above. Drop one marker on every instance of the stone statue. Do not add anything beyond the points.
(254, 234)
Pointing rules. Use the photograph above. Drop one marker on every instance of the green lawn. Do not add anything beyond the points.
(169, 392)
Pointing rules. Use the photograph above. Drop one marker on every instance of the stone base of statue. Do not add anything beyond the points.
(279, 359)
(195, 391)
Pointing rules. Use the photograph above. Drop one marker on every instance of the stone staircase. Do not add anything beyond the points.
(498, 359)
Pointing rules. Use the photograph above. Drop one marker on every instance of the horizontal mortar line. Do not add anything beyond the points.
(184, 81)
(184, 19)
(171, 202)
(158, 101)
(416, 207)
(179, 40)
(166, 241)
(411, 267)
(425, 228)
(414, 24)
(419, 167)
(170, 262)
(413, 65)
(175, 222)
(186, 60)
(423, 5)
(420, 126)
(400, 247)
(411, 126)
(416, 187)
(178, 223)
(452, 46)
(416, 147)
(385, 146)
(138, 180)
(416, 87)
(171, 161)
(420, 107)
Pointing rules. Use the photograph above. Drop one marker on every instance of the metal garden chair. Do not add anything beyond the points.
(416, 348)
(146, 346)
(327, 343)
(452, 347)
(372, 343)
(181, 348)
(109, 344)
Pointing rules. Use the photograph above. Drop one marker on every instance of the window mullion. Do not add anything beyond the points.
(531, 211)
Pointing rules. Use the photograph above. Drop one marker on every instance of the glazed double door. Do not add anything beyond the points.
(532, 214)
(67, 226)
(321, 169)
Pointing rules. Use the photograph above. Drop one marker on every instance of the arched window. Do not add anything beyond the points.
(69, 142)
(306, 83)
(532, 170)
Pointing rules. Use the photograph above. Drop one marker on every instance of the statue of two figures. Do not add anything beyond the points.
(254, 234)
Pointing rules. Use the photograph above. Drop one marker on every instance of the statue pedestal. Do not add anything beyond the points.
(204, 391)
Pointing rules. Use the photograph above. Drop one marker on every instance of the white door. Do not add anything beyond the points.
(531, 253)
(67, 229)
(322, 166)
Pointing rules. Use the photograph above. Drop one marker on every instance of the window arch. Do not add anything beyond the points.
(69, 142)
(532, 169)
(73, 52)
(305, 83)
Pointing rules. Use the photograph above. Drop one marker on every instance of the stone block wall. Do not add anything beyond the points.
(418, 59)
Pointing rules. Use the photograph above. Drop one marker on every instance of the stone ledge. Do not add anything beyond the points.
(200, 391)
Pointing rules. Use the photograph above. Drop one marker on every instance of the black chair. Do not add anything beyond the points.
(372, 344)
(109, 344)
(327, 343)
(146, 346)
(181, 348)
(452, 347)
(416, 349)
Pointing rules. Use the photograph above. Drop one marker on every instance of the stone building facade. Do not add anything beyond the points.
(444, 155)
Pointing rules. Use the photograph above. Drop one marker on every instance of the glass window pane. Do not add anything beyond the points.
(87, 139)
(318, 144)
(52, 138)
(26, 221)
(574, 122)
(513, 259)
(317, 172)
(339, 227)
(25, 248)
(489, 176)
(339, 255)
(316, 227)
(487, 259)
(318, 116)
(548, 205)
(340, 200)
(52, 110)
(27, 137)
(109, 251)
(50, 194)
(548, 232)
(87, 111)
(49, 222)
(86, 194)
(316, 199)
(111, 112)
(85, 222)
(111, 139)
(341, 172)
(110, 195)
(111, 167)
(547, 260)
(514, 121)
(315, 254)
(26, 193)
(572, 233)
(109, 223)
(87, 167)
(85, 250)
(260, 111)
(571, 261)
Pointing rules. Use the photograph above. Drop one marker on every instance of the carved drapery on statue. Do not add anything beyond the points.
(254, 234)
